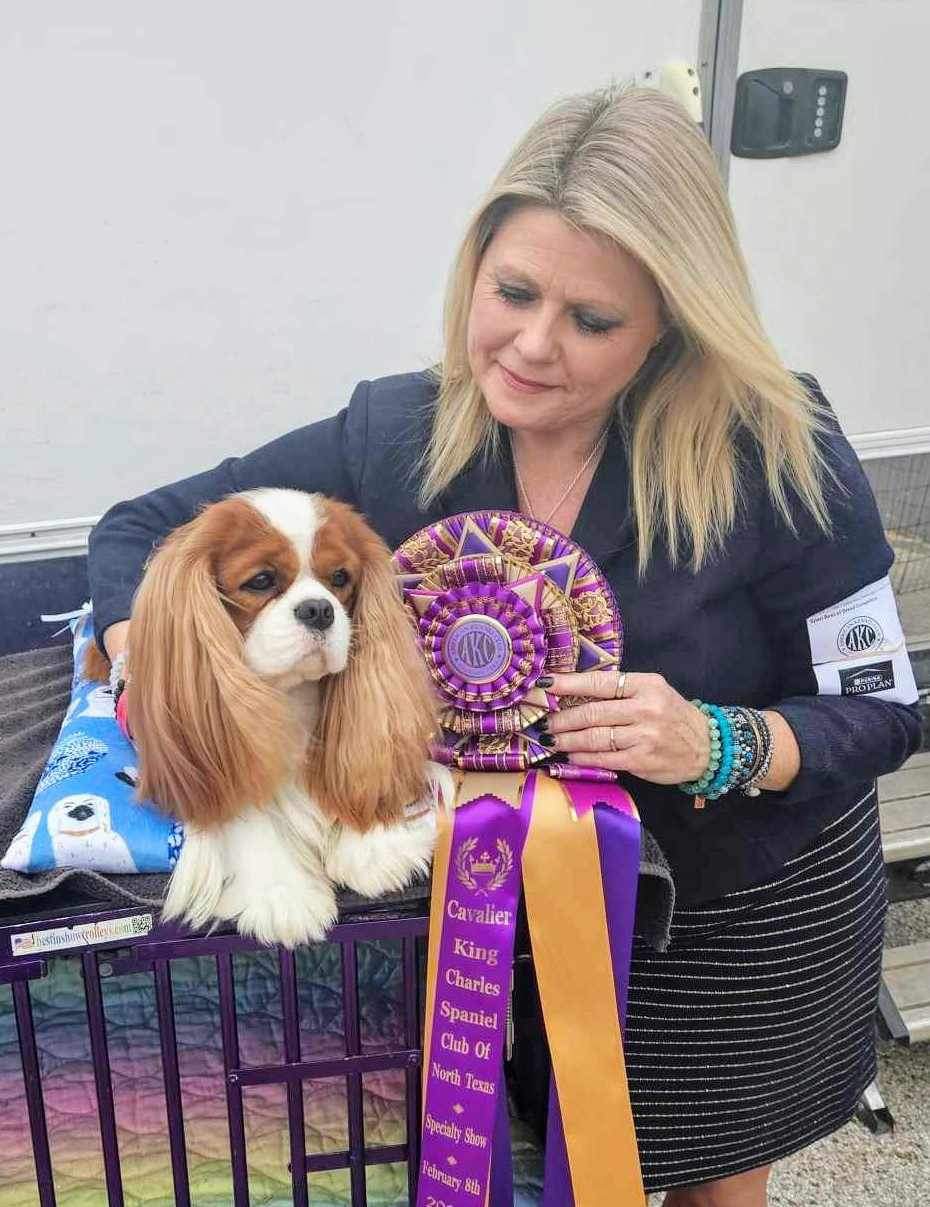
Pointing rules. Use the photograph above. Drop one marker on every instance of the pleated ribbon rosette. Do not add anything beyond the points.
(499, 600)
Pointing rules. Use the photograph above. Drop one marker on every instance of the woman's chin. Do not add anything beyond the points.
(531, 412)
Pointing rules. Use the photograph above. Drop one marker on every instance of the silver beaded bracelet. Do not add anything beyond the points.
(767, 749)
(118, 672)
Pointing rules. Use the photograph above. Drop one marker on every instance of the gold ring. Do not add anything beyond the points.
(621, 683)
(610, 741)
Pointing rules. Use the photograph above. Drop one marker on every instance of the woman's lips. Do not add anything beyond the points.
(522, 384)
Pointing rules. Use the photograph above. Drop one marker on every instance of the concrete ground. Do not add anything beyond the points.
(914, 607)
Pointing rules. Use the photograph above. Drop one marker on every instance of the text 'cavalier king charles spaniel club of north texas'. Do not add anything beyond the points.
(282, 712)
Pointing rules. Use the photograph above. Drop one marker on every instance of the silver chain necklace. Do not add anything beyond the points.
(571, 486)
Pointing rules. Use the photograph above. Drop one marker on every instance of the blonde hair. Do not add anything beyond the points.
(629, 164)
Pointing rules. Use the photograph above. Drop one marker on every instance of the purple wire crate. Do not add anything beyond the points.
(102, 950)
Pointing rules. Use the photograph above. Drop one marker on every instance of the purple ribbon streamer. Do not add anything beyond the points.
(459, 1113)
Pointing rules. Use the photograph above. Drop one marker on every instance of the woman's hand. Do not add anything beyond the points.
(652, 732)
(116, 638)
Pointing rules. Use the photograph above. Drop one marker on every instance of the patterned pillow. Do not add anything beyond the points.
(84, 813)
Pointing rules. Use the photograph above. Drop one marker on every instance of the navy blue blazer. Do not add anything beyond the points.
(735, 632)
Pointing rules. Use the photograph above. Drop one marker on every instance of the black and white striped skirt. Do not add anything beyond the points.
(753, 1034)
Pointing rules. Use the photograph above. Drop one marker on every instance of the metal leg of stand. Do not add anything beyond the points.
(872, 1111)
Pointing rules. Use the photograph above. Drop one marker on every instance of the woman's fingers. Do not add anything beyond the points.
(591, 713)
(602, 685)
(597, 739)
(634, 761)
(612, 762)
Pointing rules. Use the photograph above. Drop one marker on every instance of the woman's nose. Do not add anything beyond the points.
(537, 338)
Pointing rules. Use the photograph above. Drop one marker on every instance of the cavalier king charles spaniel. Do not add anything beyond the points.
(282, 711)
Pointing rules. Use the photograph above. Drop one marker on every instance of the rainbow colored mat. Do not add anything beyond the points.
(64, 1049)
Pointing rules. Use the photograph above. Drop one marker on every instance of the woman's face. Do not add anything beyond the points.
(560, 323)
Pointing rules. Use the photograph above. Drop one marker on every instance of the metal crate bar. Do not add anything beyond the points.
(176, 947)
(234, 1107)
(106, 1111)
(383, 1154)
(27, 970)
(411, 970)
(337, 1066)
(353, 1039)
(172, 1078)
(295, 1090)
(32, 1078)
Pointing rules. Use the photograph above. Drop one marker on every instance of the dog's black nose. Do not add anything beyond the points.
(80, 812)
(315, 613)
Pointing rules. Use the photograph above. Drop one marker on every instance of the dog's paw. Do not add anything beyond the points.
(196, 884)
(279, 914)
(383, 859)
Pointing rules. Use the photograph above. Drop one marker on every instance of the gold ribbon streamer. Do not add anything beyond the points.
(571, 955)
(441, 854)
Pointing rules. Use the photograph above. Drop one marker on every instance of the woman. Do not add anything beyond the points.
(605, 370)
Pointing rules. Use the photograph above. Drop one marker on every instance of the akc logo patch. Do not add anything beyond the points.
(859, 635)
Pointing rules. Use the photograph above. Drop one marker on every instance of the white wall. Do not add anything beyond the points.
(216, 217)
(839, 243)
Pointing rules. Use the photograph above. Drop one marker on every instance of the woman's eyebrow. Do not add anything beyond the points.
(517, 276)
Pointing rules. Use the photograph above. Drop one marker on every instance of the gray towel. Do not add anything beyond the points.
(35, 689)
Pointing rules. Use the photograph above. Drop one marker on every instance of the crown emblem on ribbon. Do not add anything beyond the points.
(485, 872)
(498, 600)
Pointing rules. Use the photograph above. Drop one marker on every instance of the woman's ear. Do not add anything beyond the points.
(368, 760)
(212, 736)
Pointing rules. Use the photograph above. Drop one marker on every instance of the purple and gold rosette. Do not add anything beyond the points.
(499, 600)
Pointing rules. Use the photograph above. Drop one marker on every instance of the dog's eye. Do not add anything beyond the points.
(339, 577)
(263, 581)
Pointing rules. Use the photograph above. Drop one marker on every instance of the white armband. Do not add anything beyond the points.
(858, 648)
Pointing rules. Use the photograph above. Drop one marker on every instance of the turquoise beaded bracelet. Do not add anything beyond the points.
(740, 752)
(701, 787)
(721, 781)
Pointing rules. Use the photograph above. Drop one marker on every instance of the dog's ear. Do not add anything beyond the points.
(212, 736)
(96, 666)
(368, 759)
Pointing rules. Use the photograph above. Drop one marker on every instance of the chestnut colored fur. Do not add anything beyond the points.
(96, 665)
(367, 760)
(212, 736)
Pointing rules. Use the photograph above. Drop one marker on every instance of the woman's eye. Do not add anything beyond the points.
(589, 324)
(263, 581)
(513, 294)
(339, 578)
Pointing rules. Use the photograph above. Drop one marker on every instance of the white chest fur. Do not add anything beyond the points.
(273, 870)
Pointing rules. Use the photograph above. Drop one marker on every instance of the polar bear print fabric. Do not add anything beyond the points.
(84, 813)
(82, 835)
